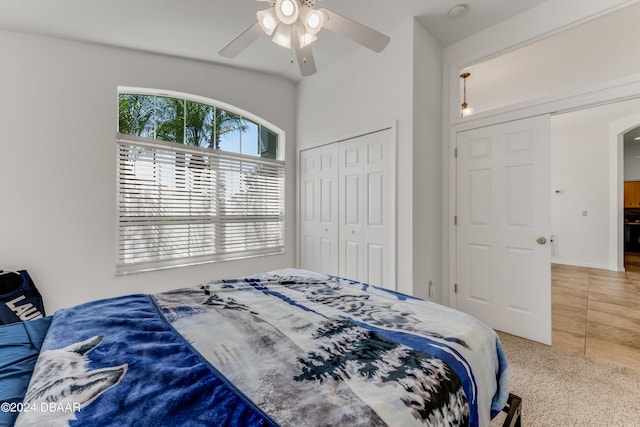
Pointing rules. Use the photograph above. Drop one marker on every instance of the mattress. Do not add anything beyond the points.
(288, 347)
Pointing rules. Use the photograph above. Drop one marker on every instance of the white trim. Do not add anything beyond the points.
(582, 264)
(616, 90)
(349, 135)
(154, 143)
(449, 218)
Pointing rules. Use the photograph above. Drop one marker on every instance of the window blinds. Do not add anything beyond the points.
(180, 205)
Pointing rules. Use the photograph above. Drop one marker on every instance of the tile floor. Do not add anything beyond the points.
(597, 312)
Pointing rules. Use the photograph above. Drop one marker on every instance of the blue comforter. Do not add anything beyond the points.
(283, 348)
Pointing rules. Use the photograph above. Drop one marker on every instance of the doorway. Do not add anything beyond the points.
(631, 150)
(587, 184)
(595, 281)
(586, 188)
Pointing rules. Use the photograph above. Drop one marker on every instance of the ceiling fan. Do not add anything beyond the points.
(294, 24)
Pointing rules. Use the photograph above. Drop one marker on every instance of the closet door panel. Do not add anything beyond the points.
(376, 264)
(308, 222)
(319, 209)
(375, 199)
(378, 231)
(351, 261)
(351, 216)
(328, 207)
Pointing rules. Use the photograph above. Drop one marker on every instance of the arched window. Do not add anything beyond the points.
(197, 182)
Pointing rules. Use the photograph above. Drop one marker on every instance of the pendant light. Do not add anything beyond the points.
(465, 110)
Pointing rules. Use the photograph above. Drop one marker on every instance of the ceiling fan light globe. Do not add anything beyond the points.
(313, 20)
(268, 20)
(287, 8)
(306, 39)
(282, 37)
(287, 11)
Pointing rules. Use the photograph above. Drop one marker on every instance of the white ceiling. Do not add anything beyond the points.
(199, 29)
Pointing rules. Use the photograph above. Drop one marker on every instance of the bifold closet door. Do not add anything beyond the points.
(347, 207)
(366, 232)
(319, 209)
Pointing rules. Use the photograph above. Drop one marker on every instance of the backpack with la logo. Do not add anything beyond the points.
(19, 298)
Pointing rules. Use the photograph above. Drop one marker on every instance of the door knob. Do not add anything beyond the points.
(541, 240)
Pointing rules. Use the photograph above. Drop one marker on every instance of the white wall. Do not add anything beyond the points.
(602, 49)
(579, 185)
(632, 162)
(368, 91)
(58, 161)
(427, 167)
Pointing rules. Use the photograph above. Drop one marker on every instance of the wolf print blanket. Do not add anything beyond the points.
(289, 347)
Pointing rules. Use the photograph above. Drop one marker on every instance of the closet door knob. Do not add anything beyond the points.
(541, 240)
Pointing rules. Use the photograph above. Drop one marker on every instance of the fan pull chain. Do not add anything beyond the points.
(291, 41)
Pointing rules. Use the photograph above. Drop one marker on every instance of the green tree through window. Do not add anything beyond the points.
(193, 123)
(136, 115)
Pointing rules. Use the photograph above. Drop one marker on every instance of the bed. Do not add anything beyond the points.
(288, 347)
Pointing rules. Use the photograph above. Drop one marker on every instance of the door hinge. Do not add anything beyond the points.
(455, 220)
(455, 288)
(455, 153)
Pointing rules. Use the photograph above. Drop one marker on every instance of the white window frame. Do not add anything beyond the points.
(247, 229)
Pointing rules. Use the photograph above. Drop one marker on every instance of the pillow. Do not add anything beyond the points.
(20, 345)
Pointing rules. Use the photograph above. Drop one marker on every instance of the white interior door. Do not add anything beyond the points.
(319, 209)
(503, 225)
(367, 204)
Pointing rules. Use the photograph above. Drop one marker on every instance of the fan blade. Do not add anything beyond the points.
(357, 32)
(243, 41)
(304, 55)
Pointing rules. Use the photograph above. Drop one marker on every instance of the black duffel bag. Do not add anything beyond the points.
(19, 298)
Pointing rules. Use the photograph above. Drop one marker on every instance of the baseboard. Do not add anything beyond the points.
(585, 265)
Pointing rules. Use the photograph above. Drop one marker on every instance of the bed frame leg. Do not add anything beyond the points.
(513, 408)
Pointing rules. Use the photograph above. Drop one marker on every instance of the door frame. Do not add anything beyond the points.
(606, 93)
(616, 188)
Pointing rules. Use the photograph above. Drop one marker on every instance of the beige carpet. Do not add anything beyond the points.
(560, 388)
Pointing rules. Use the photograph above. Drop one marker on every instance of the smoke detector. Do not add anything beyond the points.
(457, 11)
